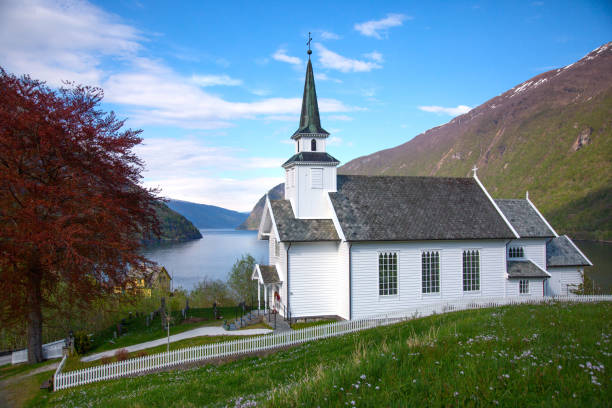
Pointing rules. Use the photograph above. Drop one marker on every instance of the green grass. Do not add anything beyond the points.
(298, 326)
(138, 332)
(9, 370)
(512, 356)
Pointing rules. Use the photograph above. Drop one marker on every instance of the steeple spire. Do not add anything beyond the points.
(310, 122)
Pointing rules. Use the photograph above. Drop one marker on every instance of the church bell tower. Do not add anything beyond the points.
(310, 174)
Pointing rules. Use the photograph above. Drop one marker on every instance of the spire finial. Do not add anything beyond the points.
(475, 169)
(308, 43)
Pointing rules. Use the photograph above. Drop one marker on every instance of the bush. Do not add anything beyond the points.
(121, 354)
(142, 353)
(106, 360)
(82, 343)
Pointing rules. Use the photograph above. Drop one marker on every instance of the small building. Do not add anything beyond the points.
(352, 246)
(154, 277)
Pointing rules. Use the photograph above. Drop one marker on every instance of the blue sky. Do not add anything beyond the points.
(216, 86)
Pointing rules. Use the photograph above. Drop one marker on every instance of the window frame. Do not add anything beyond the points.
(516, 252)
(313, 145)
(476, 273)
(439, 277)
(524, 284)
(395, 268)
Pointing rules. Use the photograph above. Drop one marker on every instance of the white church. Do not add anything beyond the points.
(353, 246)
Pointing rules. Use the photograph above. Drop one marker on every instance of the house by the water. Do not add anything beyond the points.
(353, 246)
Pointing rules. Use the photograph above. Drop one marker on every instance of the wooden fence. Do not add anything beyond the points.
(141, 365)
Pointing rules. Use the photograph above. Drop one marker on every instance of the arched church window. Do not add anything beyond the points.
(313, 145)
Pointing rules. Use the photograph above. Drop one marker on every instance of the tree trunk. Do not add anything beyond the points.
(34, 296)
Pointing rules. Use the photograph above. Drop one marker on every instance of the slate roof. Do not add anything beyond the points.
(312, 157)
(310, 121)
(386, 208)
(269, 274)
(292, 229)
(560, 251)
(525, 220)
(525, 269)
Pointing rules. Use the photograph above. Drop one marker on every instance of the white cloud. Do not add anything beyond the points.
(334, 141)
(74, 40)
(214, 80)
(281, 55)
(186, 169)
(332, 60)
(378, 28)
(62, 40)
(231, 193)
(340, 117)
(374, 56)
(328, 35)
(459, 110)
(324, 77)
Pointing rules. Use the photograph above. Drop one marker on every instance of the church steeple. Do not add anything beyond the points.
(310, 121)
(310, 174)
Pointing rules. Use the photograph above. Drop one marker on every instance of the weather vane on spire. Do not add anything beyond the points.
(308, 43)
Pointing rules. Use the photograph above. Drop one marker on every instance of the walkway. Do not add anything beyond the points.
(201, 331)
(281, 324)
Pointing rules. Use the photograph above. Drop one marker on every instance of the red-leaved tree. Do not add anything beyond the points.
(72, 213)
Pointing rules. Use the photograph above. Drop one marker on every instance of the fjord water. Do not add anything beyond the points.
(210, 257)
(213, 256)
(600, 253)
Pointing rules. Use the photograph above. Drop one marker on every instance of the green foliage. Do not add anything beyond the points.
(512, 356)
(82, 343)
(174, 227)
(240, 282)
(209, 291)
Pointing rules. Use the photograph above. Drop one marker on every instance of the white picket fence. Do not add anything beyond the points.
(50, 350)
(144, 364)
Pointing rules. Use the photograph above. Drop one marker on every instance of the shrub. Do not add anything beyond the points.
(142, 353)
(82, 343)
(122, 354)
(106, 360)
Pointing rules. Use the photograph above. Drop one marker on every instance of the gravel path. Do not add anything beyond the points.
(201, 331)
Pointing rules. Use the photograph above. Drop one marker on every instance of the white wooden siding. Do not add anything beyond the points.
(365, 296)
(536, 287)
(535, 249)
(343, 303)
(563, 279)
(313, 278)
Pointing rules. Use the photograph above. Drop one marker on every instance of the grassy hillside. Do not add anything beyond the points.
(208, 216)
(547, 355)
(174, 227)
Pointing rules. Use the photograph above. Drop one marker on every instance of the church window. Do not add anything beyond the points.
(523, 286)
(516, 252)
(387, 273)
(313, 145)
(316, 178)
(471, 271)
(430, 272)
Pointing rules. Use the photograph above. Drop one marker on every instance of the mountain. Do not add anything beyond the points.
(550, 135)
(252, 222)
(208, 216)
(174, 227)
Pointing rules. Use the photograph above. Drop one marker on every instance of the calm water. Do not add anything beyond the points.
(601, 255)
(212, 256)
